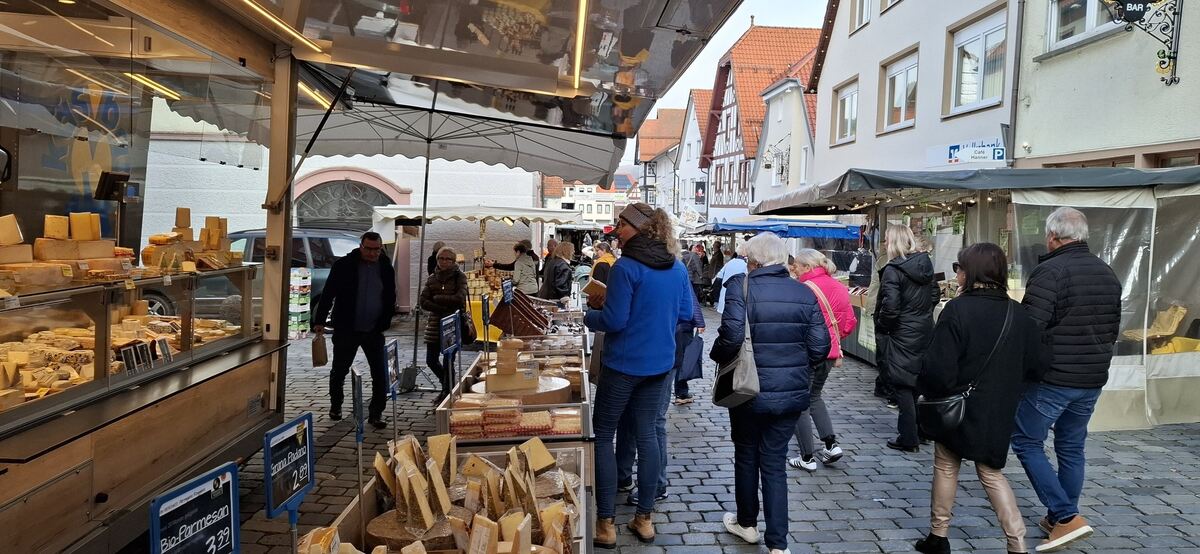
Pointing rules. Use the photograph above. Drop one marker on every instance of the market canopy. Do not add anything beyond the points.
(786, 229)
(385, 218)
(859, 188)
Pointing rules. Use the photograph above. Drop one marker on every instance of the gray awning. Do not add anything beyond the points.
(859, 188)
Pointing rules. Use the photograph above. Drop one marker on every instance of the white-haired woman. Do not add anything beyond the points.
(904, 318)
(789, 338)
(816, 271)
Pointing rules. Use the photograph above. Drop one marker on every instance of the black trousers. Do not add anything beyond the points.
(345, 347)
(433, 359)
(906, 422)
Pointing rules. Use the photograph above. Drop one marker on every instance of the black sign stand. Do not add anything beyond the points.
(356, 380)
(485, 305)
(451, 341)
(288, 463)
(198, 517)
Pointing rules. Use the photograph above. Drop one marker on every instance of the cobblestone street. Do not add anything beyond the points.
(1141, 496)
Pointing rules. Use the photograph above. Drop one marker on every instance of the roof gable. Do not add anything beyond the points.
(755, 61)
(658, 135)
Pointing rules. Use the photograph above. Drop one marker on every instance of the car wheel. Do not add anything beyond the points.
(159, 304)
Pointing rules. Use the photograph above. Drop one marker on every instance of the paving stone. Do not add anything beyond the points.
(1141, 493)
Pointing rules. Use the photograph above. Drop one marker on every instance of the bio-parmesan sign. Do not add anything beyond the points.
(198, 517)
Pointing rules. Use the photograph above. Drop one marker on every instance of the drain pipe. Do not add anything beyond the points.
(1016, 86)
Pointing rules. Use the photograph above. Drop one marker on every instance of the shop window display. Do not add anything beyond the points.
(1175, 305)
(1119, 236)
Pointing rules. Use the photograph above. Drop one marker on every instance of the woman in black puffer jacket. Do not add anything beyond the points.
(904, 324)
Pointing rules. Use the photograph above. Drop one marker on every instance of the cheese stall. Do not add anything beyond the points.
(1141, 223)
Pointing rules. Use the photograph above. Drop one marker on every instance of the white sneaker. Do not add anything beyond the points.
(748, 534)
(830, 455)
(778, 551)
(801, 463)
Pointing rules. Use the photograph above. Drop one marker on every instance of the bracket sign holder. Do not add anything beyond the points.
(1162, 20)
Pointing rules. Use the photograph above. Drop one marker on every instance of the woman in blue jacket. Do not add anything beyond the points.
(638, 313)
(789, 337)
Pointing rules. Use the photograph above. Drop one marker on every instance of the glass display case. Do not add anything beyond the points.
(557, 408)
(64, 348)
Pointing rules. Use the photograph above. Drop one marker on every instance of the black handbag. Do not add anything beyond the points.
(938, 416)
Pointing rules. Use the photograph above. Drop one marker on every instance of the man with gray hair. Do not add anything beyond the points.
(1076, 298)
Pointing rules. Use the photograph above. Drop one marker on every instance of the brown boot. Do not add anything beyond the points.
(606, 533)
(643, 527)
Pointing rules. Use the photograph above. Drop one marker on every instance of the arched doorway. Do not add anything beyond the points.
(343, 202)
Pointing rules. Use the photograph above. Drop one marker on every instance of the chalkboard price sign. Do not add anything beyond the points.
(288, 456)
(506, 288)
(486, 312)
(449, 334)
(198, 517)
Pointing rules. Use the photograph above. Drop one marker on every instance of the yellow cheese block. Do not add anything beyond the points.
(16, 254)
(11, 398)
(525, 378)
(509, 524)
(440, 495)
(540, 458)
(81, 226)
(476, 467)
(39, 274)
(52, 249)
(185, 233)
(183, 217)
(414, 548)
(483, 536)
(97, 234)
(10, 231)
(57, 227)
(443, 450)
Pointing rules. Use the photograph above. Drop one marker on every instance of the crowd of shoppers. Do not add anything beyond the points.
(1017, 370)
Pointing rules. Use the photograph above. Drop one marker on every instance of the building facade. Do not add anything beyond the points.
(1106, 85)
(785, 147)
(901, 85)
(692, 181)
(736, 112)
(655, 144)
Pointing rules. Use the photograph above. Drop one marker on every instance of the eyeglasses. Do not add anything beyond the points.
(956, 267)
(445, 259)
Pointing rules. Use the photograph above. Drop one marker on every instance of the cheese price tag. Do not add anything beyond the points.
(84, 267)
(199, 516)
(166, 280)
(126, 265)
(288, 458)
(129, 284)
(66, 271)
(12, 302)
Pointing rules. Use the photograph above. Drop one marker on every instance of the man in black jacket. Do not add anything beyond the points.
(361, 289)
(1076, 298)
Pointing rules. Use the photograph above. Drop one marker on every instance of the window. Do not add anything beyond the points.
(322, 253)
(1178, 160)
(901, 93)
(689, 152)
(608, 208)
(979, 52)
(299, 253)
(341, 247)
(589, 208)
(860, 14)
(804, 164)
(887, 4)
(846, 118)
(1072, 20)
(258, 249)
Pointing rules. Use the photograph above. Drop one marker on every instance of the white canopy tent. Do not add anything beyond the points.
(385, 218)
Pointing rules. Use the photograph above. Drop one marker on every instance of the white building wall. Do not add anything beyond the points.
(859, 55)
(688, 161)
(785, 130)
(1106, 94)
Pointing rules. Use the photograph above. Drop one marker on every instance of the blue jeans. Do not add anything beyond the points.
(615, 393)
(1068, 411)
(760, 444)
(627, 440)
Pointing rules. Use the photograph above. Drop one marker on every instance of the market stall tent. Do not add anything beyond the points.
(1142, 222)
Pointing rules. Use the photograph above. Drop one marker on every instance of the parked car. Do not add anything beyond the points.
(314, 248)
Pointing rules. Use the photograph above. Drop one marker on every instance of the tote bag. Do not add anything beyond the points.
(737, 380)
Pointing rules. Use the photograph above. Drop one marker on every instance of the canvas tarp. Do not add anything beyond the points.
(385, 218)
(858, 188)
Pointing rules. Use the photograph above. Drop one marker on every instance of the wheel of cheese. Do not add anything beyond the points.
(550, 390)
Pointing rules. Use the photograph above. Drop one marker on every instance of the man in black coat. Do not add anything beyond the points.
(361, 289)
(1076, 298)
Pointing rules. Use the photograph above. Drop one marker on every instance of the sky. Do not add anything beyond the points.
(797, 13)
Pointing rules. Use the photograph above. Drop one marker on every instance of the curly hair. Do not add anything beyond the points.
(660, 227)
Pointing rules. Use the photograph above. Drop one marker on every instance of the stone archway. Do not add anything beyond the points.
(343, 197)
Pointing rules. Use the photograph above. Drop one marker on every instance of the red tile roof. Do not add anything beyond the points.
(810, 105)
(702, 100)
(756, 60)
(552, 187)
(660, 134)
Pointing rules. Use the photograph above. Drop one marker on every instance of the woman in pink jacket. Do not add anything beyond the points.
(816, 271)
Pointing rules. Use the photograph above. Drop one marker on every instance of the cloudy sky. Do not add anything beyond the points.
(797, 13)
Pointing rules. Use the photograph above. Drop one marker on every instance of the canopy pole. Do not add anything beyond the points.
(424, 221)
(274, 203)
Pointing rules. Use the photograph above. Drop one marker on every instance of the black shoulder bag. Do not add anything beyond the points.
(938, 416)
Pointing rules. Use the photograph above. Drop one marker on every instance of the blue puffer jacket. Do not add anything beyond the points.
(789, 337)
